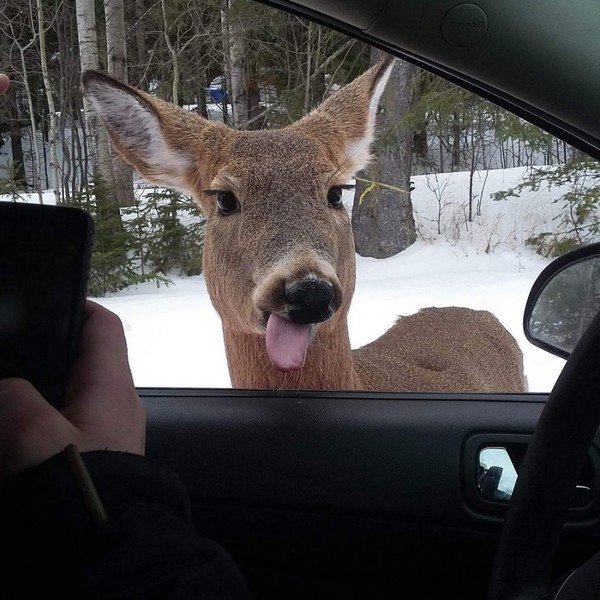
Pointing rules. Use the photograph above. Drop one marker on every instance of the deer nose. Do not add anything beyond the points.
(311, 300)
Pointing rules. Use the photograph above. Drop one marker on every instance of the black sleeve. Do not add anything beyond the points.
(147, 549)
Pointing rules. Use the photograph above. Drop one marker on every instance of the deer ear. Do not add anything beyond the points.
(151, 135)
(345, 122)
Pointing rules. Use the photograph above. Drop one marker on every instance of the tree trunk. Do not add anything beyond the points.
(309, 61)
(200, 81)
(201, 95)
(67, 74)
(255, 120)
(16, 146)
(116, 54)
(96, 134)
(455, 142)
(226, 59)
(420, 142)
(45, 141)
(37, 165)
(172, 53)
(383, 220)
(236, 61)
(471, 174)
(140, 43)
(52, 129)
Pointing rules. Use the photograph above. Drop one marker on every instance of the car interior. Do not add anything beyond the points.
(395, 495)
(379, 495)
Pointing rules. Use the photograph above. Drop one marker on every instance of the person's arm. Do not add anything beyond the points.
(138, 540)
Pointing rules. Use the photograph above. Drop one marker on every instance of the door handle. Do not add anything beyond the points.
(491, 466)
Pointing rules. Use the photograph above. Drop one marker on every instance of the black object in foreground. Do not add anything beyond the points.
(44, 266)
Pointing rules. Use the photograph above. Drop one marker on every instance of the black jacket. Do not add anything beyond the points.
(147, 549)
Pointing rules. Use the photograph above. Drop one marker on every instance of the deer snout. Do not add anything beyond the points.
(310, 301)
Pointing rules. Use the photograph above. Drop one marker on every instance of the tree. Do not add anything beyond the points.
(52, 130)
(19, 179)
(96, 134)
(382, 216)
(75, 160)
(109, 258)
(23, 34)
(235, 59)
(173, 54)
(116, 58)
(578, 182)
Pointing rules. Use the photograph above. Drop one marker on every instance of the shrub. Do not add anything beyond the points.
(144, 242)
(579, 222)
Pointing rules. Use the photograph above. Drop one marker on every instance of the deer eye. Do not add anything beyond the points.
(226, 203)
(334, 196)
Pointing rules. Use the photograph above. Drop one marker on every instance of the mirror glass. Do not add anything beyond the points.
(496, 475)
(567, 305)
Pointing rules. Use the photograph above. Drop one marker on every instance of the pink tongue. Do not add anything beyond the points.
(286, 343)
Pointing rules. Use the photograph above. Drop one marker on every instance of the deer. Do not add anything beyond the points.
(279, 259)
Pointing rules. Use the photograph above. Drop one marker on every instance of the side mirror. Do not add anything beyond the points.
(563, 301)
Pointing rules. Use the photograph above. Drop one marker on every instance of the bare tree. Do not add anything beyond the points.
(74, 156)
(438, 190)
(17, 29)
(52, 130)
(173, 54)
(11, 122)
(18, 175)
(116, 58)
(235, 59)
(309, 63)
(97, 137)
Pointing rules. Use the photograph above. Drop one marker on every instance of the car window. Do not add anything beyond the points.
(462, 205)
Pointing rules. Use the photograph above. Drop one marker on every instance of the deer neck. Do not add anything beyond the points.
(328, 364)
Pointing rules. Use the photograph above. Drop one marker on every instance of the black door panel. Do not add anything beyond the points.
(390, 455)
(318, 494)
(378, 456)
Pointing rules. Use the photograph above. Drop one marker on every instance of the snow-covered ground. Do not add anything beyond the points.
(174, 334)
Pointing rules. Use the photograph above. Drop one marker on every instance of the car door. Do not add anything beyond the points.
(381, 495)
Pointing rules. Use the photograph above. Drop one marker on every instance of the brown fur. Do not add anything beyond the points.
(441, 350)
(286, 231)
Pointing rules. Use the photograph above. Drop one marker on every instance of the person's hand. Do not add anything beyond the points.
(4, 83)
(101, 410)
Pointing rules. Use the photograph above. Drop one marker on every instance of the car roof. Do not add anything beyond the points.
(538, 59)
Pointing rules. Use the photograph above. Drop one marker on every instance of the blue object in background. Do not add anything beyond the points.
(217, 94)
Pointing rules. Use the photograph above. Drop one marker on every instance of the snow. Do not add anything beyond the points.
(174, 334)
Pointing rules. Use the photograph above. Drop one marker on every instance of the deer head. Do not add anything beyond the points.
(279, 251)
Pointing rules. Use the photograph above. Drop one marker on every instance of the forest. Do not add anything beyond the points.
(252, 67)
